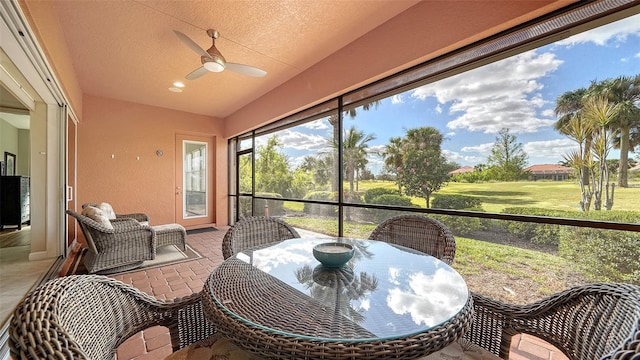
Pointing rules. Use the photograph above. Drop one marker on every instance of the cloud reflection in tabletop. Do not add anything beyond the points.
(428, 297)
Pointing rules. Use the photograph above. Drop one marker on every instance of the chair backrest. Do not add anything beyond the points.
(253, 231)
(88, 226)
(587, 322)
(419, 233)
(89, 316)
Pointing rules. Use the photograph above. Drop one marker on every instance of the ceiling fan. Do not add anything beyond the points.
(212, 60)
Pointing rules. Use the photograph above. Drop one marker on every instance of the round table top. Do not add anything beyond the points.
(384, 292)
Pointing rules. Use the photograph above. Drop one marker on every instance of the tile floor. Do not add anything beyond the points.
(184, 278)
(18, 275)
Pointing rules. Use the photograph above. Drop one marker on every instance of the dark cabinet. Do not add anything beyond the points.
(14, 201)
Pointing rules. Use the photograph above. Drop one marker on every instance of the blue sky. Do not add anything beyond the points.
(518, 93)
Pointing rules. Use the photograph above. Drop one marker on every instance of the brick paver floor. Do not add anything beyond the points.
(185, 278)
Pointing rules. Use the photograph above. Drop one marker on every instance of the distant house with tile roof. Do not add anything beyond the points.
(462, 170)
(549, 172)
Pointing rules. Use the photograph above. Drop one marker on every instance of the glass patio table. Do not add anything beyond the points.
(388, 301)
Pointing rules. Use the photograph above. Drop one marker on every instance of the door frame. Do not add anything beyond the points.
(210, 218)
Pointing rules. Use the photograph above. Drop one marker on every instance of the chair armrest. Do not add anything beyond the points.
(590, 321)
(137, 216)
(126, 224)
(127, 235)
(184, 317)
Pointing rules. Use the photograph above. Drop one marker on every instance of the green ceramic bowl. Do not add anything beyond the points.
(333, 254)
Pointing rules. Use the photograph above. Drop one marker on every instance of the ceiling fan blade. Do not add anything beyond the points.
(192, 44)
(245, 69)
(196, 73)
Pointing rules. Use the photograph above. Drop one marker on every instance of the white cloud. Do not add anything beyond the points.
(319, 124)
(459, 158)
(616, 32)
(439, 109)
(451, 134)
(549, 148)
(302, 141)
(504, 94)
(376, 149)
(637, 55)
(397, 99)
(482, 148)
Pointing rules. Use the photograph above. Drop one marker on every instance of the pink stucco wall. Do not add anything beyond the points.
(128, 131)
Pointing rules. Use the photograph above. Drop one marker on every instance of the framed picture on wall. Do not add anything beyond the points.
(9, 163)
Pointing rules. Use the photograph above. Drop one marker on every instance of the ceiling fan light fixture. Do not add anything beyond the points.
(214, 65)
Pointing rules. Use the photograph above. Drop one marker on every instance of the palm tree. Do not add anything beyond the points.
(355, 152)
(569, 108)
(393, 157)
(624, 91)
(333, 120)
(601, 114)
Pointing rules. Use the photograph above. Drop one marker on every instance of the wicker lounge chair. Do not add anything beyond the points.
(589, 322)
(254, 231)
(89, 316)
(419, 233)
(116, 246)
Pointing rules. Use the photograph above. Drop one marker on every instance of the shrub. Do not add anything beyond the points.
(389, 199)
(275, 206)
(545, 234)
(461, 225)
(604, 255)
(446, 201)
(320, 209)
(373, 193)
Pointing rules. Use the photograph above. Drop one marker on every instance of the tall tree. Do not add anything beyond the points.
(597, 116)
(319, 167)
(392, 155)
(424, 169)
(333, 121)
(624, 92)
(569, 108)
(601, 113)
(272, 169)
(355, 152)
(581, 160)
(507, 158)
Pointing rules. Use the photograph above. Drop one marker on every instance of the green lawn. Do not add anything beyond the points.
(495, 196)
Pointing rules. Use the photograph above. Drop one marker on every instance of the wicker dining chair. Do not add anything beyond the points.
(253, 231)
(588, 322)
(89, 316)
(419, 233)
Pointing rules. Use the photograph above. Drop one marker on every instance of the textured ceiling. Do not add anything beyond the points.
(127, 49)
